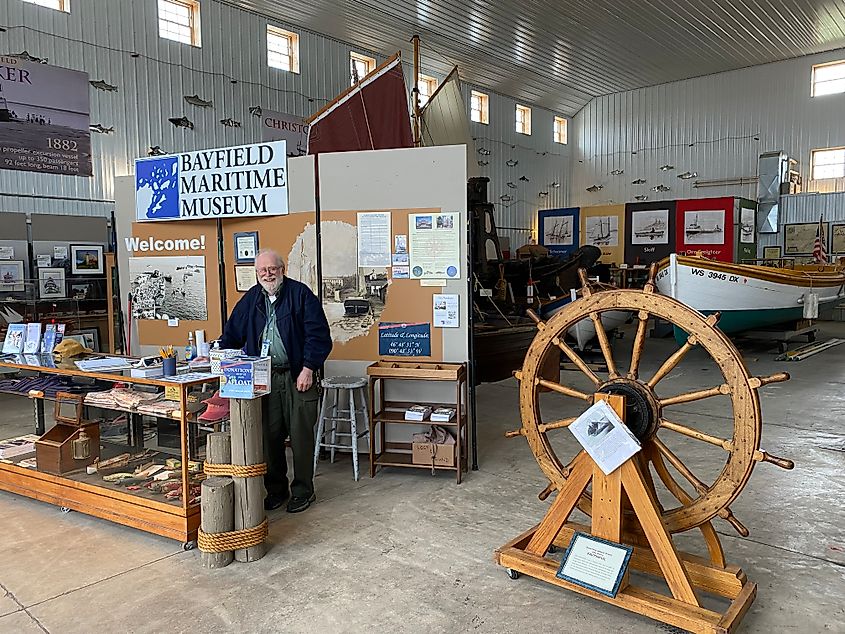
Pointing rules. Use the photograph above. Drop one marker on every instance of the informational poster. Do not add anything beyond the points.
(650, 226)
(404, 339)
(60, 253)
(838, 240)
(44, 118)
(800, 238)
(435, 241)
(278, 126)
(7, 253)
(446, 311)
(401, 272)
(44, 261)
(233, 182)
(374, 239)
(559, 230)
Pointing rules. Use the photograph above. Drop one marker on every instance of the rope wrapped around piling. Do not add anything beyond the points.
(235, 471)
(233, 540)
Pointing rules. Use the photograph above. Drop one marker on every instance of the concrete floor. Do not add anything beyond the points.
(406, 552)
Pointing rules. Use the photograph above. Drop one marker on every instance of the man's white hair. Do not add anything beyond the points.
(279, 261)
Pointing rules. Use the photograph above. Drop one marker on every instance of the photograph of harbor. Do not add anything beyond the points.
(168, 287)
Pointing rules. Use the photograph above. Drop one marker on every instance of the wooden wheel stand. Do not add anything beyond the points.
(628, 494)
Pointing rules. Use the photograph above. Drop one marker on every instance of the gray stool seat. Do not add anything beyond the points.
(343, 382)
(339, 418)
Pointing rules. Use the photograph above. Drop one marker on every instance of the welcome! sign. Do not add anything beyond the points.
(234, 182)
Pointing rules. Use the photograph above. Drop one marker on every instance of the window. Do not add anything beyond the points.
(360, 66)
(829, 163)
(523, 119)
(179, 20)
(427, 86)
(479, 109)
(58, 5)
(828, 79)
(282, 49)
(560, 130)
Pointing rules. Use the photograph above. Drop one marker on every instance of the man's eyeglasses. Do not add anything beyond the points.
(269, 269)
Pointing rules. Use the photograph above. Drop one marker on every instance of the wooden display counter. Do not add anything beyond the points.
(177, 517)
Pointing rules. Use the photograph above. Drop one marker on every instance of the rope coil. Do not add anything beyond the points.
(232, 540)
(234, 470)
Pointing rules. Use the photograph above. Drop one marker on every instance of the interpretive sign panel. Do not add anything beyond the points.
(595, 563)
(44, 118)
(404, 340)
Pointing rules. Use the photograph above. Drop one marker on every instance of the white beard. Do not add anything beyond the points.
(272, 288)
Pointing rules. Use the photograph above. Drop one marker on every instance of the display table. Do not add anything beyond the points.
(165, 506)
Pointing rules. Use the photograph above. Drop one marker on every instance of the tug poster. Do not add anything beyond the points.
(44, 118)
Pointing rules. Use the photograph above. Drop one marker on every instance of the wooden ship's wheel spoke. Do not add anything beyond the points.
(604, 344)
(562, 389)
(577, 360)
(697, 395)
(639, 344)
(689, 432)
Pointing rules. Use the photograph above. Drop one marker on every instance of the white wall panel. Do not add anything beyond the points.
(705, 125)
(101, 37)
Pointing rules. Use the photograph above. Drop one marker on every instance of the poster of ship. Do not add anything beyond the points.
(602, 231)
(650, 226)
(557, 230)
(704, 227)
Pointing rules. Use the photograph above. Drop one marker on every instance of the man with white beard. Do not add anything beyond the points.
(281, 318)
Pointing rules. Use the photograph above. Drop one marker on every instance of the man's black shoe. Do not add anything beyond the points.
(274, 501)
(297, 504)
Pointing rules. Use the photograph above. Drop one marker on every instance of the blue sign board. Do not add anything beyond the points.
(404, 340)
(558, 230)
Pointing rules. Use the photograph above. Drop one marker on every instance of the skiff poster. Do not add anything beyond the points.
(44, 118)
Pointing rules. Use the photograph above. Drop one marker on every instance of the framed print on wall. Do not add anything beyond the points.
(11, 275)
(799, 238)
(771, 253)
(51, 283)
(837, 244)
(86, 259)
(246, 246)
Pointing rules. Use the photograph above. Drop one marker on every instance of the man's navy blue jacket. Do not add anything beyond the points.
(299, 318)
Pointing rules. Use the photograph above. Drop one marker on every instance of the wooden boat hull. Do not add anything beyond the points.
(584, 331)
(748, 297)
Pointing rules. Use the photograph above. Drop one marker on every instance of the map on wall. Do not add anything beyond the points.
(44, 118)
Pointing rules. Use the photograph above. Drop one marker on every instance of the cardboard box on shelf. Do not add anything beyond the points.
(443, 455)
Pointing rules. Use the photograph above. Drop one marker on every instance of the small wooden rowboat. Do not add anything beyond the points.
(747, 296)
(584, 331)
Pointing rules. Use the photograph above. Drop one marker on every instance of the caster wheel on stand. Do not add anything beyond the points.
(513, 574)
(189, 545)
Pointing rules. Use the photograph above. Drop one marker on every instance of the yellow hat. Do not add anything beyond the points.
(68, 348)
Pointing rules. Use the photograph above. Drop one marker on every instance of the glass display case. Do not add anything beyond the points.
(125, 448)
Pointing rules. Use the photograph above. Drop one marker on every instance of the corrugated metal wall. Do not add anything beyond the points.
(706, 125)
(805, 208)
(117, 41)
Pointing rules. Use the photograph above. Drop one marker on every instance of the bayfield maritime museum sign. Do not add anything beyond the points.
(233, 182)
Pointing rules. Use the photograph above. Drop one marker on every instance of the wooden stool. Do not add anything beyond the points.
(335, 385)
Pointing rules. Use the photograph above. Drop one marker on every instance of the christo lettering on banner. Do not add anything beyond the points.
(237, 182)
(404, 339)
(278, 126)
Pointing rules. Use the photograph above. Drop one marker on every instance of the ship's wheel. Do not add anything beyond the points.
(646, 414)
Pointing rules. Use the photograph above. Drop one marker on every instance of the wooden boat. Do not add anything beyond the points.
(747, 296)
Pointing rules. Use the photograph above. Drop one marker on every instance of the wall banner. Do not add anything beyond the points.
(233, 182)
(44, 118)
(278, 126)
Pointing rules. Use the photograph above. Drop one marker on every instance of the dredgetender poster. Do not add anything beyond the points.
(434, 245)
(44, 118)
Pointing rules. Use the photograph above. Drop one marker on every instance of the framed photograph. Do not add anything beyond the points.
(51, 283)
(246, 246)
(11, 275)
(772, 253)
(245, 278)
(799, 238)
(86, 259)
(90, 337)
(837, 244)
(80, 291)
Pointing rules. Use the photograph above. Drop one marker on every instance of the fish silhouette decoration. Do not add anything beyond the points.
(156, 150)
(99, 128)
(255, 111)
(484, 151)
(511, 185)
(196, 100)
(661, 188)
(543, 194)
(229, 122)
(29, 58)
(102, 84)
(182, 122)
(511, 163)
(483, 163)
(666, 168)
(687, 175)
(639, 181)
(594, 188)
(641, 197)
(617, 172)
(523, 178)
(505, 198)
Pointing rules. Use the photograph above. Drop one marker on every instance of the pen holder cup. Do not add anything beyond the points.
(169, 366)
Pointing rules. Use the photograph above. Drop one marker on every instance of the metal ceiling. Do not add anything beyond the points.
(559, 55)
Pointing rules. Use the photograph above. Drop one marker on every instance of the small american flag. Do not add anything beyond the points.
(819, 247)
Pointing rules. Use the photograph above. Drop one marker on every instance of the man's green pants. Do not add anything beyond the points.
(288, 412)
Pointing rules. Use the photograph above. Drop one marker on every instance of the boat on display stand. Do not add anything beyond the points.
(748, 296)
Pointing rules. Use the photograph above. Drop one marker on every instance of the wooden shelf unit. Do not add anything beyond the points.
(178, 521)
(387, 412)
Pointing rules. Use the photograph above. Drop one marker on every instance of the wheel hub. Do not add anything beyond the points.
(641, 410)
